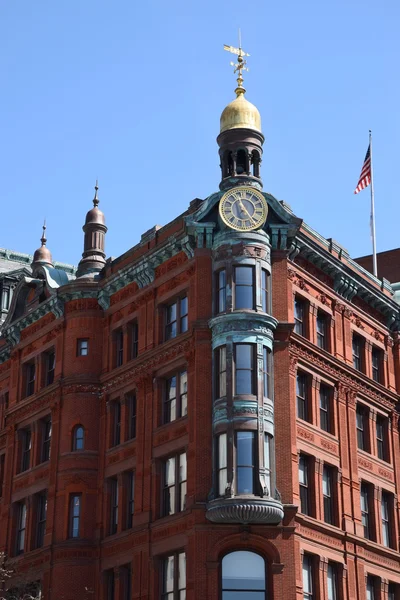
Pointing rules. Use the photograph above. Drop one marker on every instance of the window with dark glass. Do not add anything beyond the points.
(110, 584)
(265, 290)
(21, 527)
(377, 364)
(244, 369)
(119, 347)
(358, 345)
(221, 375)
(386, 514)
(328, 478)
(175, 399)
(74, 515)
(132, 408)
(78, 438)
(325, 408)
(175, 478)
(303, 408)
(308, 577)
(243, 576)
(176, 318)
(221, 291)
(267, 461)
(332, 577)
(50, 366)
(127, 582)
(245, 459)
(372, 586)
(130, 482)
(244, 287)
(113, 487)
(382, 438)
(222, 467)
(30, 377)
(26, 446)
(173, 584)
(133, 340)
(2, 470)
(305, 491)
(322, 330)
(46, 439)
(267, 370)
(362, 423)
(393, 591)
(116, 423)
(299, 316)
(41, 513)
(366, 502)
(82, 347)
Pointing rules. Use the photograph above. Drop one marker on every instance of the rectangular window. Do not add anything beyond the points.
(176, 318)
(222, 464)
(41, 513)
(308, 578)
(328, 477)
(26, 446)
(30, 376)
(304, 468)
(245, 459)
(303, 408)
(119, 347)
(362, 423)
(386, 512)
(221, 291)
(322, 330)
(333, 579)
(377, 364)
(116, 423)
(325, 408)
(130, 498)
(21, 527)
(299, 316)
(132, 407)
(267, 359)
(74, 515)
(82, 347)
(113, 486)
(175, 475)
(244, 369)
(358, 346)
(174, 577)
(265, 279)
(46, 440)
(127, 580)
(244, 287)
(110, 585)
(371, 588)
(221, 379)
(133, 341)
(382, 438)
(365, 510)
(393, 591)
(267, 461)
(50, 366)
(2, 471)
(175, 399)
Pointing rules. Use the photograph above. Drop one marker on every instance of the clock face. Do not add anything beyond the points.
(243, 209)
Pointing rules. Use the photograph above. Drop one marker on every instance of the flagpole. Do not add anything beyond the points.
(373, 234)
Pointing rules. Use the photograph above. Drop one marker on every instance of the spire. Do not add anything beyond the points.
(240, 66)
(42, 255)
(95, 199)
(93, 256)
(43, 239)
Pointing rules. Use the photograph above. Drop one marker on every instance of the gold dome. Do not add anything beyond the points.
(240, 114)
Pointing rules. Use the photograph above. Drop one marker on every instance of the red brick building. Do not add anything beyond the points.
(211, 415)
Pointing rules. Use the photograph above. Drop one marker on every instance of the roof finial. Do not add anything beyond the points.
(95, 199)
(240, 66)
(43, 239)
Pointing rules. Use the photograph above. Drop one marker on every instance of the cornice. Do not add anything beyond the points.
(12, 333)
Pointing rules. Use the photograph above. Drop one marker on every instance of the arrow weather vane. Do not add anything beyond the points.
(240, 66)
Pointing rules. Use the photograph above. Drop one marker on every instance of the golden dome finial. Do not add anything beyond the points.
(240, 66)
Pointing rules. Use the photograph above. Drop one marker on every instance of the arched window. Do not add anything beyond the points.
(78, 438)
(255, 159)
(243, 576)
(241, 162)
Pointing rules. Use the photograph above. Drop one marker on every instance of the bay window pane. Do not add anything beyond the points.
(245, 462)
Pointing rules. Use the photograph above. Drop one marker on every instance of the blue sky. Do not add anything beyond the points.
(131, 92)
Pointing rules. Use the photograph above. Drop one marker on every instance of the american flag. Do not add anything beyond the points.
(365, 177)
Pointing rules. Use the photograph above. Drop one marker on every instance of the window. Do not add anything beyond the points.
(304, 467)
(176, 318)
(243, 576)
(174, 577)
(26, 446)
(30, 376)
(371, 588)
(116, 423)
(175, 400)
(332, 577)
(362, 422)
(244, 369)
(267, 461)
(82, 347)
(127, 582)
(49, 365)
(110, 584)
(221, 379)
(299, 316)
(221, 291)
(365, 510)
(244, 287)
(322, 330)
(222, 464)
(245, 456)
(130, 498)
(381, 438)
(327, 492)
(377, 364)
(74, 515)
(393, 591)
(325, 406)
(174, 497)
(308, 577)
(265, 290)
(2, 470)
(46, 440)
(41, 508)
(78, 438)
(358, 345)
(133, 341)
(303, 408)
(119, 347)
(21, 527)
(267, 360)
(132, 407)
(386, 513)
(113, 486)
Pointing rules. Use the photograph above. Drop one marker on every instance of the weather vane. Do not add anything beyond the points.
(240, 66)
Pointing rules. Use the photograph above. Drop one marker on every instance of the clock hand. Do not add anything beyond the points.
(244, 209)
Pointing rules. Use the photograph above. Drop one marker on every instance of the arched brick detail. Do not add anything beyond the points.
(252, 543)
